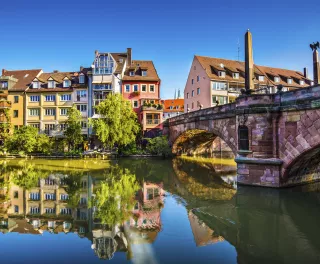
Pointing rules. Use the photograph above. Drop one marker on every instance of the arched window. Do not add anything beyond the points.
(243, 138)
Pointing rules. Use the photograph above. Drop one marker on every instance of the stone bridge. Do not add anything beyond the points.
(275, 137)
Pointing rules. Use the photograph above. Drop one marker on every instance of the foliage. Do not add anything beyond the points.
(115, 197)
(44, 144)
(73, 130)
(159, 146)
(23, 139)
(5, 126)
(135, 93)
(159, 106)
(27, 177)
(131, 149)
(118, 123)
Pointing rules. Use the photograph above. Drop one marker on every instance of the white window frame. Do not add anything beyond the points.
(134, 86)
(65, 97)
(143, 73)
(235, 75)
(35, 85)
(81, 106)
(64, 111)
(198, 90)
(261, 78)
(32, 110)
(125, 88)
(131, 73)
(146, 88)
(82, 93)
(154, 88)
(81, 78)
(50, 112)
(289, 80)
(84, 126)
(301, 82)
(51, 84)
(198, 78)
(276, 79)
(222, 74)
(66, 83)
(52, 98)
(34, 97)
(133, 102)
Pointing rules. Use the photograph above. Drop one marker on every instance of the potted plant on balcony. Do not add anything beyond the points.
(159, 107)
(133, 94)
(154, 106)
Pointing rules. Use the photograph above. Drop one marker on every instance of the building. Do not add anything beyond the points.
(172, 108)
(50, 96)
(15, 83)
(213, 81)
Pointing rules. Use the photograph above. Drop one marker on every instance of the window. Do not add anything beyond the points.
(222, 74)
(187, 106)
(198, 90)
(34, 210)
(63, 111)
(66, 83)
(67, 225)
(50, 210)
(15, 194)
(49, 196)
(187, 95)
(35, 85)
(103, 64)
(171, 107)
(50, 98)
(65, 211)
(84, 124)
(34, 196)
(37, 126)
(131, 73)
(81, 78)
(65, 97)
(235, 75)
(276, 79)
(82, 108)
(15, 113)
(35, 223)
(311, 83)
(261, 78)
(144, 73)
(220, 86)
(135, 104)
(289, 81)
(49, 181)
(151, 88)
(34, 98)
(34, 112)
(81, 94)
(127, 88)
(4, 85)
(63, 126)
(51, 224)
(64, 197)
(83, 216)
(192, 93)
(16, 127)
(243, 136)
(219, 100)
(82, 230)
(191, 81)
(16, 99)
(192, 105)
(83, 200)
(16, 209)
(51, 84)
(50, 112)
(135, 88)
(143, 87)
(301, 82)
(106, 86)
(198, 78)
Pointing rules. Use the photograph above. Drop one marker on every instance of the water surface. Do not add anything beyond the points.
(151, 211)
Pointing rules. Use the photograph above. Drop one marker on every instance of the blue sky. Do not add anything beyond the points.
(64, 34)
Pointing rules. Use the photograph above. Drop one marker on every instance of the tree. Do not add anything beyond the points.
(73, 130)
(159, 146)
(5, 124)
(118, 123)
(23, 139)
(44, 144)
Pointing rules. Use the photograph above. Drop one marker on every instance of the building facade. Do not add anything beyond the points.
(214, 81)
(172, 108)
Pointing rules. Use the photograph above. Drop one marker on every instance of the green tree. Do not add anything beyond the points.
(118, 123)
(159, 146)
(44, 144)
(5, 124)
(23, 139)
(115, 197)
(73, 130)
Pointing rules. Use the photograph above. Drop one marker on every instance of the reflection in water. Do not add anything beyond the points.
(157, 211)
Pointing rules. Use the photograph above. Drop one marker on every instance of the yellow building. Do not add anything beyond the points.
(15, 83)
(49, 98)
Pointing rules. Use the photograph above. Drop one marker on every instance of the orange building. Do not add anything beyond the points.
(141, 85)
(172, 108)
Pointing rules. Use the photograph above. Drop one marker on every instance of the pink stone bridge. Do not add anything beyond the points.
(275, 137)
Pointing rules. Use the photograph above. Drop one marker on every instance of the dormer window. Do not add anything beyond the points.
(276, 79)
(121, 60)
(289, 81)
(4, 85)
(222, 74)
(235, 75)
(311, 83)
(35, 84)
(131, 73)
(261, 78)
(66, 83)
(171, 107)
(81, 78)
(301, 82)
(51, 84)
(144, 73)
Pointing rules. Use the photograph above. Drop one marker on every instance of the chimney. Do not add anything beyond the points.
(55, 71)
(81, 68)
(316, 67)
(305, 72)
(129, 54)
(4, 71)
(96, 52)
(248, 62)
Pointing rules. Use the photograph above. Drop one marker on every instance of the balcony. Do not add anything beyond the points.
(152, 108)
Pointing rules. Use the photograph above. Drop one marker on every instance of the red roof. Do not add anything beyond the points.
(177, 105)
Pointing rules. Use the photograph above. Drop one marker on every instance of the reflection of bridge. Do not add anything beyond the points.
(273, 136)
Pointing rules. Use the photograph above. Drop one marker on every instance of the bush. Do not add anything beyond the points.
(159, 146)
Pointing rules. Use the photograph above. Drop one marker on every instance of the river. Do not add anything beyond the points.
(185, 210)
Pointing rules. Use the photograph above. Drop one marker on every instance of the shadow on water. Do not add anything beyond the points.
(127, 208)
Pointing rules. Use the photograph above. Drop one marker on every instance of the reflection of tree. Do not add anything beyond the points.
(73, 188)
(114, 197)
(26, 177)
